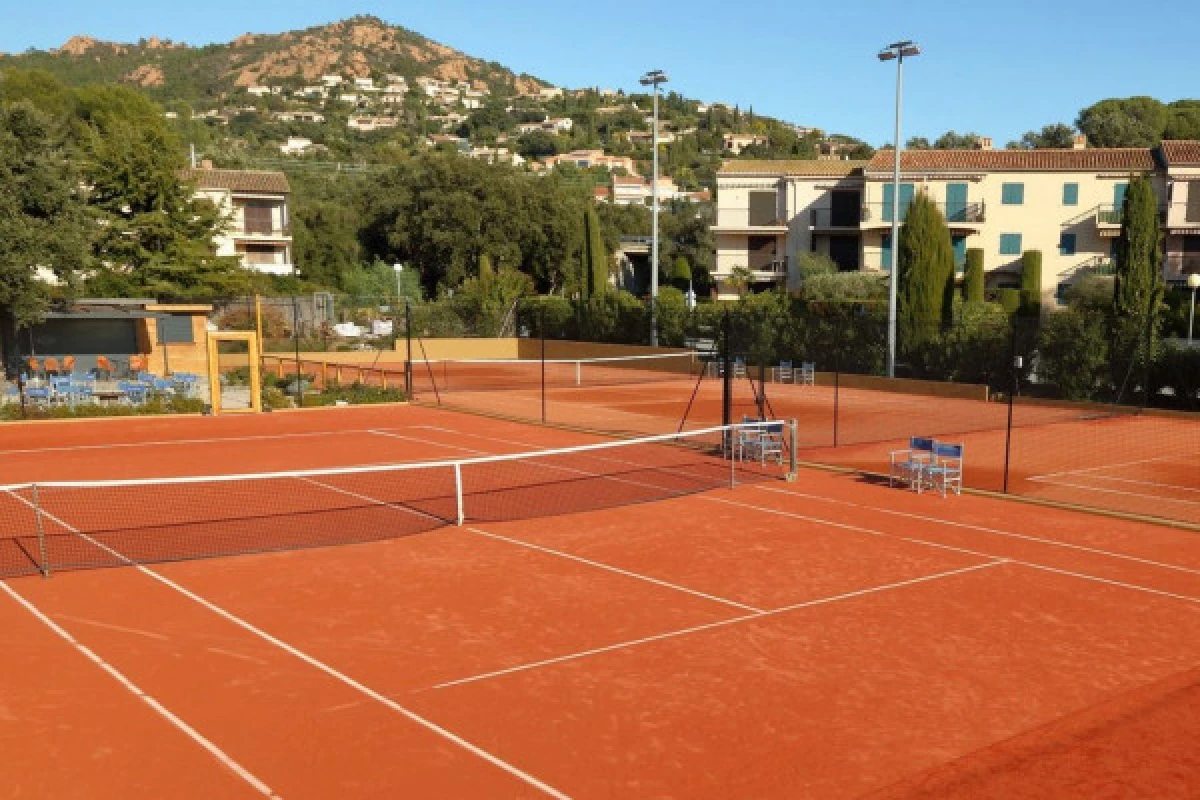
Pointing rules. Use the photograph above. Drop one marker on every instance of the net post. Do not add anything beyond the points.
(458, 493)
(1015, 364)
(730, 436)
(296, 337)
(542, 334)
(408, 374)
(793, 466)
(44, 567)
(579, 373)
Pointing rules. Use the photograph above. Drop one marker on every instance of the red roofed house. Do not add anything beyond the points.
(256, 204)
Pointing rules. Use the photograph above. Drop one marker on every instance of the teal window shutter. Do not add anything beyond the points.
(907, 190)
(1070, 194)
(959, 243)
(887, 252)
(1012, 194)
(1010, 244)
(889, 201)
(956, 202)
(1119, 190)
(1066, 244)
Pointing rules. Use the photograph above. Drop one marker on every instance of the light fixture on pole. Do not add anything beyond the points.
(654, 79)
(1193, 282)
(896, 51)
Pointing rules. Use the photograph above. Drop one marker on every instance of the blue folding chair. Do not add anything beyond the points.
(904, 466)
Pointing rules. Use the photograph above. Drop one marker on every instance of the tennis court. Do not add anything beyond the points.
(615, 622)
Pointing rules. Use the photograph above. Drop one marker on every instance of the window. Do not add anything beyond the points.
(763, 209)
(1010, 244)
(1012, 194)
(1070, 194)
(1066, 244)
(1060, 294)
(175, 329)
(886, 253)
(959, 245)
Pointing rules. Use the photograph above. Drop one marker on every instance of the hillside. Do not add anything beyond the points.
(357, 47)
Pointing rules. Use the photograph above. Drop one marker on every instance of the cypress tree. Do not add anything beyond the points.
(973, 277)
(926, 261)
(1031, 283)
(1138, 275)
(595, 258)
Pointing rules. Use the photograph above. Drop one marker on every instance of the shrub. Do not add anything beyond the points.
(1009, 299)
(1072, 353)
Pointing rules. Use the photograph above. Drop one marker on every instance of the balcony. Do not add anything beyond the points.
(1183, 217)
(769, 270)
(263, 232)
(958, 215)
(830, 219)
(1177, 266)
(776, 225)
(1108, 219)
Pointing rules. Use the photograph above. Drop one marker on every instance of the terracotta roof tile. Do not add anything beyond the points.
(810, 167)
(239, 180)
(1123, 158)
(1181, 152)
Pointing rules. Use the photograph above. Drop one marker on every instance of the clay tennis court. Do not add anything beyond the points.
(827, 638)
(1142, 464)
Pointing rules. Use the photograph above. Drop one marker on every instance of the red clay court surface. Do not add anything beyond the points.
(1146, 465)
(830, 638)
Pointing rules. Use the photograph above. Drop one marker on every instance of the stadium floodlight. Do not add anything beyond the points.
(654, 78)
(896, 51)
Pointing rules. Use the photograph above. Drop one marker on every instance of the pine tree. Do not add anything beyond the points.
(973, 277)
(926, 259)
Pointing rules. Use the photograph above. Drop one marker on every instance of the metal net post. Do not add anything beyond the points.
(44, 566)
(793, 459)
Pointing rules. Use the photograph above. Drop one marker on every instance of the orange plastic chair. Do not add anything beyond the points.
(34, 367)
(104, 365)
(137, 364)
(69, 364)
(51, 365)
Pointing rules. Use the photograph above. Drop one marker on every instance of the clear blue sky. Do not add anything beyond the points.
(998, 69)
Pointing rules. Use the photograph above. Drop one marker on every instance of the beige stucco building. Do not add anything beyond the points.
(255, 203)
(1065, 203)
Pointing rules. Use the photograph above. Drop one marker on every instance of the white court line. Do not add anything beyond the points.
(1159, 484)
(216, 752)
(597, 564)
(711, 625)
(1069, 472)
(1155, 497)
(341, 677)
(164, 442)
(984, 529)
(1032, 564)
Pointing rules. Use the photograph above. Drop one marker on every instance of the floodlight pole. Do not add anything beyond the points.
(654, 79)
(895, 51)
(1193, 281)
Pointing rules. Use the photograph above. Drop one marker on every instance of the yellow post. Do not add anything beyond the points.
(258, 321)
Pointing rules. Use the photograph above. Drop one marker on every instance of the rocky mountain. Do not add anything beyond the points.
(362, 47)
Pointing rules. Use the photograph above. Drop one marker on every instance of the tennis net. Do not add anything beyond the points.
(62, 525)
(448, 375)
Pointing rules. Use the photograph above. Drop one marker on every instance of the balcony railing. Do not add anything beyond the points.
(1177, 266)
(775, 267)
(273, 231)
(961, 213)
(836, 218)
(1108, 215)
(1184, 214)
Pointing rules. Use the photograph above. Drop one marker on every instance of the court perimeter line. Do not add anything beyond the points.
(719, 624)
(1159, 484)
(138, 692)
(1155, 497)
(160, 443)
(319, 665)
(997, 531)
(1045, 475)
(1031, 564)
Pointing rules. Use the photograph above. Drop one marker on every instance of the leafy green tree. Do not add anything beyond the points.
(1057, 135)
(681, 273)
(926, 262)
(809, 265)
(42, 220)
(1073, 351)
(1183, 120)
(325, 243)
(537, 144)
(973, 277)
(1031, 283)
(739, 279)
(1123, 122)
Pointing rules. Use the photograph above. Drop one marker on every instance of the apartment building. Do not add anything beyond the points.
(1065, 203)
(1180, 162)
(256, 206)
(591, 158)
